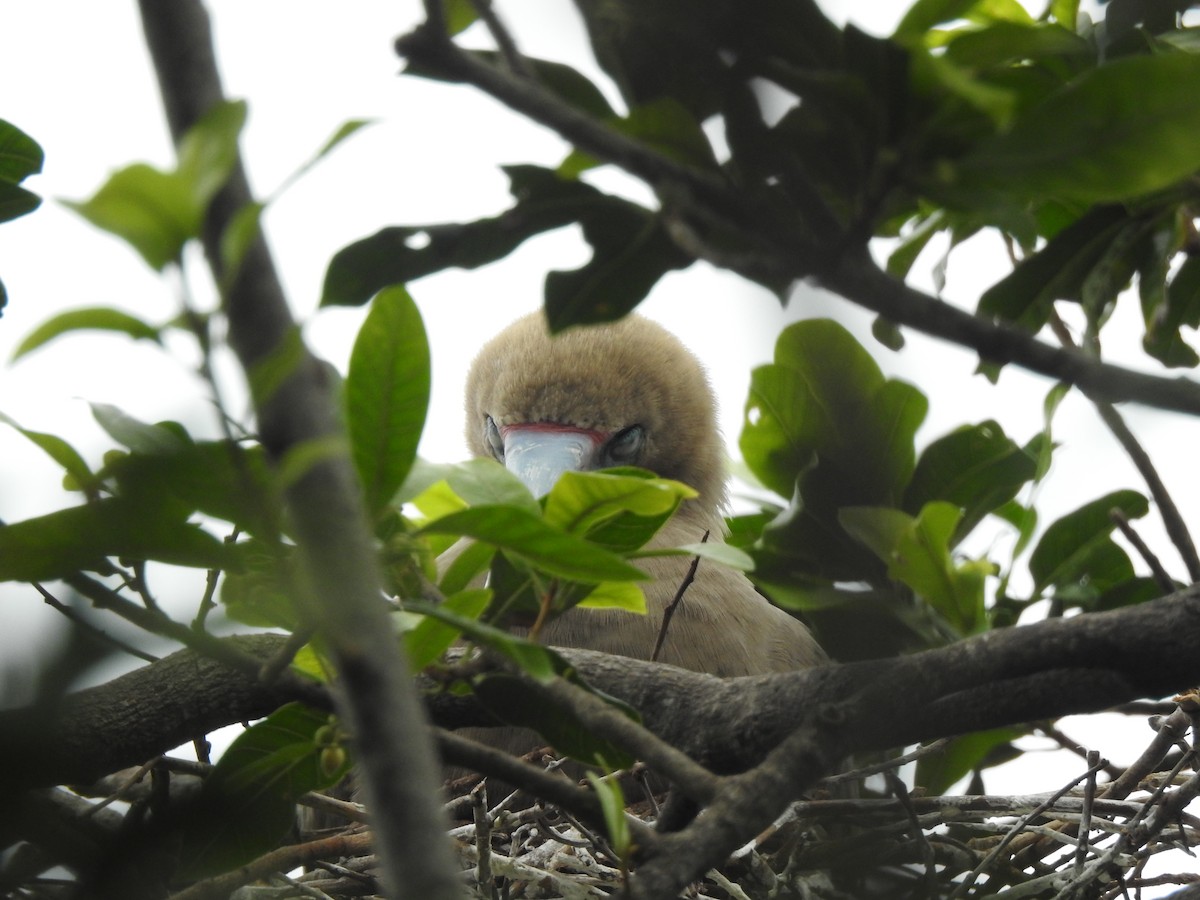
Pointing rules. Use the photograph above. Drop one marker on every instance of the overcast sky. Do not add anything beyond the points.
(79, 81)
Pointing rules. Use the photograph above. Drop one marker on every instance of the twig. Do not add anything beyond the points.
(669, 612)
(1085, 819)
(1173, 521)
(513, 58)
(1161, 578)
(965, 885)
(896, 786)
(94, 630)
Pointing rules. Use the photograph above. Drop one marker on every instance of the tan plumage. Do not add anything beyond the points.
(607, 379)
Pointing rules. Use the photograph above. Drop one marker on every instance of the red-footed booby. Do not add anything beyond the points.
(629, 393)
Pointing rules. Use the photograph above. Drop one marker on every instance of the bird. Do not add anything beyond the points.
(628, 393)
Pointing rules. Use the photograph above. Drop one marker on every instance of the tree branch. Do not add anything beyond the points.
(785, 246)
(376, 696)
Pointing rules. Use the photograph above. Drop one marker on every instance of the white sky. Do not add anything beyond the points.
(79, 81)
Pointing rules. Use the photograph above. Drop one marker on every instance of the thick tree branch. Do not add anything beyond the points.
(1045, 670)
(377, 699)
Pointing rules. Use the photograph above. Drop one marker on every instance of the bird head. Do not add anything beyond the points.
(621, 394)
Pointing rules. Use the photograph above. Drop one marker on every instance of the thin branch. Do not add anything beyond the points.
(1164, 581)
(1173, 521)
(669, 612)
(99, 633)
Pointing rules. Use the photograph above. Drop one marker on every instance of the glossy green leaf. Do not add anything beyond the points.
(97, 318)
(917, 552)
(1078, 548)
(975, 467)
(81, 537)
(923, 15)
(465, 565)
(824, 398)
(715, 551)
(580, 501)
(152, 211)
(625, 595)
(1118, 131)
(387, 394)
(518, 531)
(248, 803)
(612, 805)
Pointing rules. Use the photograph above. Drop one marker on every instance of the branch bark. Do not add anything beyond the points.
(375, 696)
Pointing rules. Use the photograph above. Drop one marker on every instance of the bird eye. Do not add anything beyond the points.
(626, 446)
(491, 434)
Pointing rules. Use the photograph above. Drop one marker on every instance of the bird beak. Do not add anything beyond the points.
(538, 454)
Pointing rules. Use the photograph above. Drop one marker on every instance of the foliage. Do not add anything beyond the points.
(1075, 142)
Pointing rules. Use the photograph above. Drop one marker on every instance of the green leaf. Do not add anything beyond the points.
(1180, 308)
(624, 595)
(62, 453)
(612, 805)
(135, 434)
(1118, 131)
(403, 254)
(825, 398)
(248, 802)
(430, 638)
(82, 537)
(664, 125)
(268, 590)
(976, 467)
(484, 482)
(539, 662)
(15, 201)
(527, 536)
(631, 252)
(387, 394)
(99, 318)
(152, 211)
(917, 552)
(1057, 271)
(157, 212)
(221, 479)
(938, 772)
(580, 501)
(20, 155)
(1078, 548)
